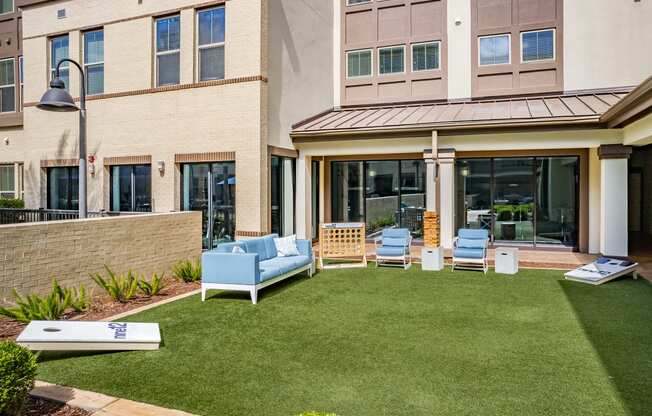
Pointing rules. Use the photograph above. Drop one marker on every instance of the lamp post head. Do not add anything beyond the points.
(57, 98)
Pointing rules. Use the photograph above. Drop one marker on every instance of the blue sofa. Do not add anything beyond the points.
(259, 266)
(470, 249)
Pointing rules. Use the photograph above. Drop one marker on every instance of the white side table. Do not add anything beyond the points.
(506, 260)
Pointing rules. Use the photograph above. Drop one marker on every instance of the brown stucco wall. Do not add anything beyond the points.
(70, 251)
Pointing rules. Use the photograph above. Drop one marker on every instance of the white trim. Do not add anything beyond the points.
(554, 45)
(167, 52)
(371, 68)
(404, 60)
(509, 49)
(438, 42)
(253, 289)
(2, 87)
(199, 47)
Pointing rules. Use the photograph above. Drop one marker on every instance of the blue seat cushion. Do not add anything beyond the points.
(467, 243)
(280, 265)
(391, 251)
(473, 234)
(468, 253)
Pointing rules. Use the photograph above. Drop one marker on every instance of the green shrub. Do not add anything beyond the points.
(121, 288)
(187, 271)
(154, 286)
(80, 301)
(11, 203)
(17, 373)
(35, 308)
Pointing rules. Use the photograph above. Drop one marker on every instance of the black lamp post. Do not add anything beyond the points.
(57, 99)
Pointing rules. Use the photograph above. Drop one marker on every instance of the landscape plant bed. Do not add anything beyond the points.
(103, 307)
(35, 406)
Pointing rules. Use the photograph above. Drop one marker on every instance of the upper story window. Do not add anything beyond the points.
(168, 43)
(425, 56)
(7, 86)
(6, 6)
(21, 79)
(538, 45)
(94, 61)
(352, 2)
(59, 51)
(391, 60)
(210, 43)
(494, 50)
(358, 63)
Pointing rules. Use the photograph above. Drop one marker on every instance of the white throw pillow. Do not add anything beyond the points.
(286, 246)
(237, 249)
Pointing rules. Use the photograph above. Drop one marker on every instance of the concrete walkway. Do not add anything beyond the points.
(99, 404)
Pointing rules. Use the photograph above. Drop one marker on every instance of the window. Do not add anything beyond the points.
(59, 51)
(131, 188)
(7, 86)
(352, 2)
(210, 44)
(538, 45)
(7, 181)
(391, 60)
(494, 50)
(168, 41)
(21, 80)
(425, 56)
(63, 188)
(94, 61)
(358, 63)
(6, 6)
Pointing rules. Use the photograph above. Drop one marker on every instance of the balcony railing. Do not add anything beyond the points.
(17, 216)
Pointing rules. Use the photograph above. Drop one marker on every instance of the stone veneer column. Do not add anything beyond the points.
(446, 158)
(613, 199)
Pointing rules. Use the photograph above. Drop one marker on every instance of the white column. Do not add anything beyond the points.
(303, 197)
(594, 201)
(613, 207)
(447, 196)
(431, 185)
(18, 173)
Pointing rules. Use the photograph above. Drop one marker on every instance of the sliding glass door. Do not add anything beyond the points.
(131, 188)
(520, 199)
(210, 188)
(381, 193)
(63, 188)
(282, 193)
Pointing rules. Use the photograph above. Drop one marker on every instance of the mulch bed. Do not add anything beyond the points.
(104, 308)
(40, 407)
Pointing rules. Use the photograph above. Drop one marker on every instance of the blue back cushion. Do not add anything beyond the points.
(394, 242)
(228, 247)
(396, 233)
(473, 234)
(270, 246)
(257, 245)
(470, 243)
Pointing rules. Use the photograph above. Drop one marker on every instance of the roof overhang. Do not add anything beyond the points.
(632, 107)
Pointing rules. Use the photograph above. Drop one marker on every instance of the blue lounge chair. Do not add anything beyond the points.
(393, 246)
(470, 249)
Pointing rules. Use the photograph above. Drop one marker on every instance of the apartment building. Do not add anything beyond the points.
(190, 104)
(529, 118)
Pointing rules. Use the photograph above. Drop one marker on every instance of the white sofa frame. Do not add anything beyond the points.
(253, 289)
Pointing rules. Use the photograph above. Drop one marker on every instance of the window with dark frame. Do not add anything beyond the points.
(63, 188)
(131, 189)
(7, 86)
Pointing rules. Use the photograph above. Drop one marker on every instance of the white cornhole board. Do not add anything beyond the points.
(89, 336)
(602, 270)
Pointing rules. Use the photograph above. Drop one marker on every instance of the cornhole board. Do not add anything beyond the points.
(602, 271)
(89, 336)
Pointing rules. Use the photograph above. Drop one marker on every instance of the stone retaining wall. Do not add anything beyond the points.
(70, 251)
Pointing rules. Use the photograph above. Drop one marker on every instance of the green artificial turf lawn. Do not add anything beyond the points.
(391, 342)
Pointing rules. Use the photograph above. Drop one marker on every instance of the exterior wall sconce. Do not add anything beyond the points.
(161, 166)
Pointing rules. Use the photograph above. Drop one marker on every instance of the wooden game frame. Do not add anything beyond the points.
(342, 241)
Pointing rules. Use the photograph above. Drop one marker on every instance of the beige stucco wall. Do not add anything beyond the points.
(606, 43)
(218, 118)
(300, 64)
(71, 251)
(459, 49)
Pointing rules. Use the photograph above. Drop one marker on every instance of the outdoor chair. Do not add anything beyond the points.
(393, 247)
(470, 249)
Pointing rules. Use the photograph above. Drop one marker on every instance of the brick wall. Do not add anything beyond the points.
(70, 251)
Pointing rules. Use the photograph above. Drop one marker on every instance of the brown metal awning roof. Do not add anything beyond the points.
(563, 109)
